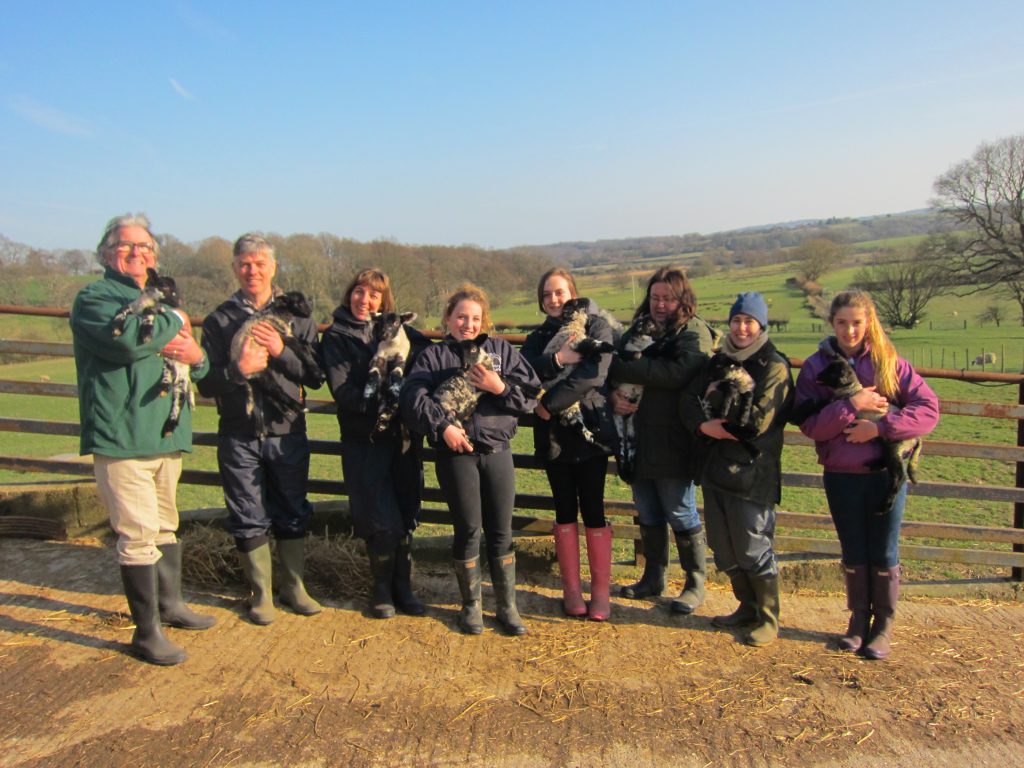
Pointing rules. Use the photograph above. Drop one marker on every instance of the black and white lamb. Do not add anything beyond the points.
(901, 457)
(279, 313)
(574, 326)
(159, 294)
(387, 364)
(456, 396)
(730, 396)
(642, 334)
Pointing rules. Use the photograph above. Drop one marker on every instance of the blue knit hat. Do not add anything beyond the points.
(753, 304)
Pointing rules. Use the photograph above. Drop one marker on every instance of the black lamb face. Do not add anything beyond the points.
(387, 324)
(294, 303)
(837, 375)
(471, 352)
(574, 307)
(166, 286)
(645, 326)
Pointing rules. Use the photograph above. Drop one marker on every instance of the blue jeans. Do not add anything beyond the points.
(667, 500)
(866, 537)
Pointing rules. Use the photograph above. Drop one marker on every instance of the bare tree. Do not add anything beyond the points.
(816, 256)
(993, 313)
(985, 195)
(902, 284)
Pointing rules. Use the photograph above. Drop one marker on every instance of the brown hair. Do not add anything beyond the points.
(555, 272)
(470, 292)
(883, 353)
(682, 292)
(375, 280)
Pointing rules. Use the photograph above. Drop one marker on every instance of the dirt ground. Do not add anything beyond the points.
(340, 688)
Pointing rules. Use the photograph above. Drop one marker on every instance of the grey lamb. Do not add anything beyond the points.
(278, 313)
(574, 327)
(643, 333)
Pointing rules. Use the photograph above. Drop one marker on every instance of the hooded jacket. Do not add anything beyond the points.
(666, 448)
(917, 414)
(494, 422)
(346, 348)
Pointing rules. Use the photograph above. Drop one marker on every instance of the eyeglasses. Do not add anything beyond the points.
(664, 302)
(124, 247)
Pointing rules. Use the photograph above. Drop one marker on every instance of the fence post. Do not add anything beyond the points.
(1017, 574)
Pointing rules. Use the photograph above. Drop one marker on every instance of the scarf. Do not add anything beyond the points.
(731, 351)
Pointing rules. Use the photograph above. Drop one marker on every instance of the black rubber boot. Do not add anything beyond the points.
(767, 591)
(693, 559)
(652, 583)
(467, 573)
(858, 600)
(148, 640)
(405, 599)
(745, 614)
(885, 593)
(173, 610)
(503, 578)
(292, 554)
(257, 565)
(382, 573)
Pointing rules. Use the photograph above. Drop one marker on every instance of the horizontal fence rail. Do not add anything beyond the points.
(622, 514)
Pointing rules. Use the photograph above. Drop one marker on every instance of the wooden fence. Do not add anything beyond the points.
(622, 514)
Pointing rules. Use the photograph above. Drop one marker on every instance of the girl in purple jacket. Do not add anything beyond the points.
(851, 452)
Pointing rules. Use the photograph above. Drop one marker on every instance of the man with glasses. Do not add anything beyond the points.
(122, 423)
(263, 453)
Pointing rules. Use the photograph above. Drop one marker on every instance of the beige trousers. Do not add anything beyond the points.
(140, 497)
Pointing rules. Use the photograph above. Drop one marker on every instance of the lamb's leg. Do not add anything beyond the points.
(897, 476)
(287, 404)
(372, 383)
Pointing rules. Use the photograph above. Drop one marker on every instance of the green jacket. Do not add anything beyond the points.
(773, 398)
(120, 408)
(665, 448)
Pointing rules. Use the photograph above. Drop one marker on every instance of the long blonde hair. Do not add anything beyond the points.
(883, 353)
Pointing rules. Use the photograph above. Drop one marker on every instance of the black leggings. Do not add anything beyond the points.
(480, 490)
(578, 487)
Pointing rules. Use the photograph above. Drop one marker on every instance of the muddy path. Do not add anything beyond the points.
(647, 688)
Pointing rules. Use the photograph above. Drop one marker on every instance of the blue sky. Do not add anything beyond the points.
(497, 124)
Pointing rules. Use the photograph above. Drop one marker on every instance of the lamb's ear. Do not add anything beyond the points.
(827, 349)
(151, 276)
(407, 317)
(375, 316)
(479, 340)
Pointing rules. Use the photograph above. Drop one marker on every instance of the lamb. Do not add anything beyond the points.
(389, 358)
(901, 456)
(456, 396)
(730, 396)
(159, 293)
(643, 334)
(278, 313)
(574, 328)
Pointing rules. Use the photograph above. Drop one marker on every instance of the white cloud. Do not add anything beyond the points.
(51, 119)
(181, 90)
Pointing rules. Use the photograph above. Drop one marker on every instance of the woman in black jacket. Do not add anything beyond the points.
(663, 480)
(384, 483)
(474, 463)
(578, 473)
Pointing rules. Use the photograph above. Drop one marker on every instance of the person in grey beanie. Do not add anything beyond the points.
(741, 476)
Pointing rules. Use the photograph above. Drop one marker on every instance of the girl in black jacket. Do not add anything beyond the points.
(578, 473)
(474, 463)
(384, 483)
